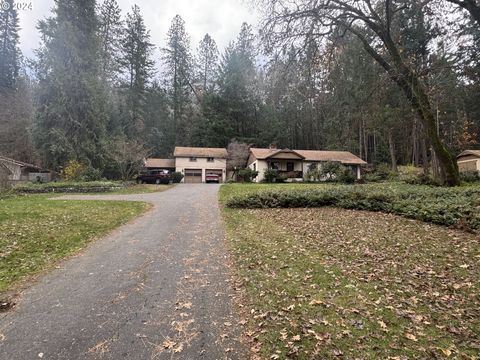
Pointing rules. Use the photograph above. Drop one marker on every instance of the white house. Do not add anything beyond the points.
(295, 163)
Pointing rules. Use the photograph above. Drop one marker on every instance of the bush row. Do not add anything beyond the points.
(452, 207)
(69, 187)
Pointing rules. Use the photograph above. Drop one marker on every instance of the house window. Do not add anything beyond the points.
(274, 165)
(193, 158)
(290, 166)
(254, 166)
(210, 159)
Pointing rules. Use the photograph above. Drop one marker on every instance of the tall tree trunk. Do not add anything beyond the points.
(391, 146)
(411, 85)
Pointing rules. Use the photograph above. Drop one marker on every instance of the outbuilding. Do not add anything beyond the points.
(469, 160)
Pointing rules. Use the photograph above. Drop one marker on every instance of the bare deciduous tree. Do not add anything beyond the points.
(373, 22)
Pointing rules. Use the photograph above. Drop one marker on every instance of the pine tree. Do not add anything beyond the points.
(207, 63)
(110, 34)
(178, 63)
(238, 83)
(138, 66)
(9, 51)
(71, 115)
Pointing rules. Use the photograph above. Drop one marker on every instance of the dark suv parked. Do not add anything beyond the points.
(154, 177)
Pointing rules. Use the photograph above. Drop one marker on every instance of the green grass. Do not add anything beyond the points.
(331, 283)
(35, 231)
(459, 207)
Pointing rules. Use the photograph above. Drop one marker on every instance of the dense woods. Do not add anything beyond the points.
(394, 82)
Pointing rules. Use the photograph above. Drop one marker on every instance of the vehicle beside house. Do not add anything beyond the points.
(294, 164)
(154, 177)
(159, 164)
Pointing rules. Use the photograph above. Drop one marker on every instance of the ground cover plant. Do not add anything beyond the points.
(113, 187)
(36, 231)
(332, 283)
(457, 206)
(70, 187)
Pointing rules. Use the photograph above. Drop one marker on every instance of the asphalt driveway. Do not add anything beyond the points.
(157, 288)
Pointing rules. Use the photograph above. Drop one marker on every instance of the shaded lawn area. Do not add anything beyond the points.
(333, 283)
(36, 231)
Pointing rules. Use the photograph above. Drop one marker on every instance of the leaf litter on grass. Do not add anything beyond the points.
(330, 283)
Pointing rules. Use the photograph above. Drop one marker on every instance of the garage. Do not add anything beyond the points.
(218, 172)
(193, 175)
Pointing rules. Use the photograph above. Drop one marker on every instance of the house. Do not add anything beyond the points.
(469, 160)
(295, 163)
(18, 171)
(159, 164)
(195, 162)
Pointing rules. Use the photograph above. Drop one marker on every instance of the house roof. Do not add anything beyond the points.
(469, 152)
(159, 163)
(266, 153)
(344, 157)
(200, 152)
(18, 163)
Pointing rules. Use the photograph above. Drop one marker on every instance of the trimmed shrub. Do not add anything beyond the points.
(470, 176)
(270, 175)
(177, 177)
(69, 187)
(445, 206)
(247, 174)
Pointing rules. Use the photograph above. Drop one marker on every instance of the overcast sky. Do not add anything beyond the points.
(220, 18)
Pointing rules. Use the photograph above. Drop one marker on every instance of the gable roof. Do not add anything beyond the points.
(343, 157)
(200, 152)
(18, 163)
(4, 169)
(159, 163)
(469, 152)
(266, 153)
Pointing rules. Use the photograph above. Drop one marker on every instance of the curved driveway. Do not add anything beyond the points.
(157, 288)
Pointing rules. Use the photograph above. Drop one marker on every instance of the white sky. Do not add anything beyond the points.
(220, 18)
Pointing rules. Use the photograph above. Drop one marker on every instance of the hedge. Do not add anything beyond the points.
(458, 207)
(69, 187)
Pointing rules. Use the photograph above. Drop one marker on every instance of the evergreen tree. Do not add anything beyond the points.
(110, 34)
(238, 85)
(138, 66)
(207, 63)
(178, 65)
(71, 114)
(9, 51)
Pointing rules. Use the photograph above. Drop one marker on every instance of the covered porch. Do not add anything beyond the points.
(286, 163)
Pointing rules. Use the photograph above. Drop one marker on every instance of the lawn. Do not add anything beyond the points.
(36, 231)
(329, 283)
(458, 207)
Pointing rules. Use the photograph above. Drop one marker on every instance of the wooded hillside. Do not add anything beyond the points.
(393, 81)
